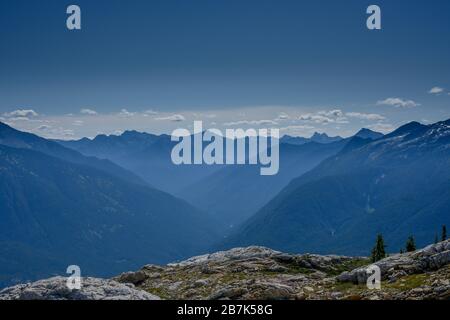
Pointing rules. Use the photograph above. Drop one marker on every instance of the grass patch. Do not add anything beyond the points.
(231, 277)
(348, 266)
(294, 269)
(160, 292)
(408, 282)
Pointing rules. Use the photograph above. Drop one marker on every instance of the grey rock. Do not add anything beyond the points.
(336, 295)
(429, 258)
(274, 291)
(132, 277)
(233, 254)
(92, 289)
(228, 292)
(201, 283)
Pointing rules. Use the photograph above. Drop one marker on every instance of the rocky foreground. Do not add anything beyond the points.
(262, 273)
(93, 289)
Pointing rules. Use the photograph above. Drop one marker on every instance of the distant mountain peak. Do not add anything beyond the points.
(368, 134)
(324, 138)
(319, 134)
(408, 128)
(413, 125)
(132, 133)
(316, 137)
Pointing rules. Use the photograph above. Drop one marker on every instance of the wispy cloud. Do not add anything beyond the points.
(297, 130)
(125, 113)
(282, 116)
(250, 122)
(14, 119)
(325, 117)
(204, 115)
(398, 102)
(365, 116)
(43, 127)
(173, 117)
(150, 112)
(293, 120)
(54, 133)
(436, 90)
(21, 113)
(88, 112)
(336, 113)
(315, 118)
(382, 127)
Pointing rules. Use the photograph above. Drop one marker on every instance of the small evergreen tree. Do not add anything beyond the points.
(410, 244)
(401, 251)
(444, 233)
(379, 251)
(436, 239)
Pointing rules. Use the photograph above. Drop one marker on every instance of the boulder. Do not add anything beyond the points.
(92, 289)
(430, 258)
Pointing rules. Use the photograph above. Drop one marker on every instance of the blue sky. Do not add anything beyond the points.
(227, 62)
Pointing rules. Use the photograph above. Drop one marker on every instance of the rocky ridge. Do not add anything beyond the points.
(92, 289)
(262, 273)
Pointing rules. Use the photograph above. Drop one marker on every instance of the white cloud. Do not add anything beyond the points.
(19, 119)
(68, 133)
(88, 112)
(365, 116)
(436, 90)
(382, 127)
(336, 113)
(150, 112)
(50, 132)
(325, 117)
(43, 127)
(21, 113)
(398, 102)
(315, 118)
(282, 116)
(202, 115)
(302, 121)
(174, 117)
(117, 132)
(126, 113)
(297, 130)
(250, 122)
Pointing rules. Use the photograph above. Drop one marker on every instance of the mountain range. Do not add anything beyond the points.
(112, 203)
(59, 208)
(147, 155)
(397, 185)
(234, 193)
(316, 137)
(229, 193)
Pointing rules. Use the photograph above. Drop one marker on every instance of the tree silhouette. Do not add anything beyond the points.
(379, 251)
(410, 244)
